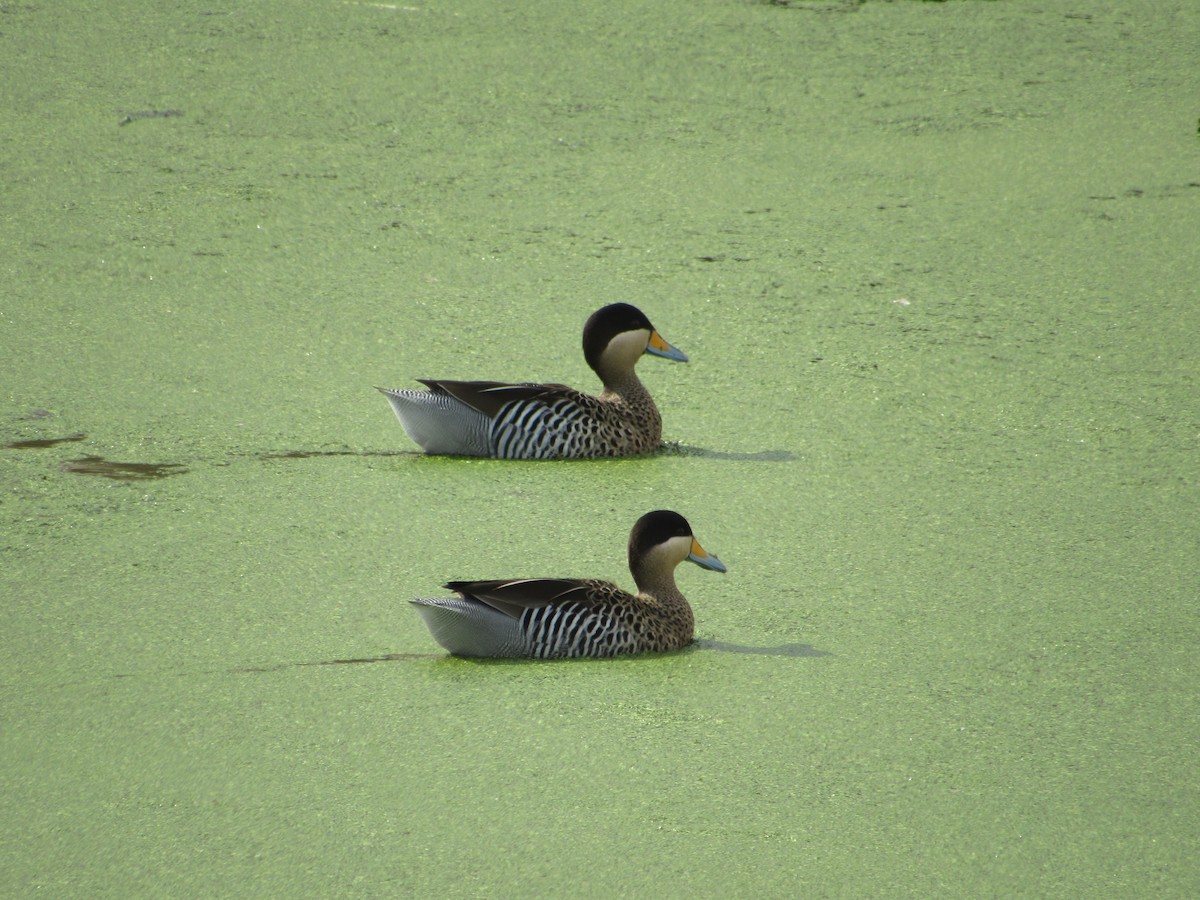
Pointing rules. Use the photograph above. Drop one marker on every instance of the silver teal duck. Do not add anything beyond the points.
(548, 421)
(548, 618)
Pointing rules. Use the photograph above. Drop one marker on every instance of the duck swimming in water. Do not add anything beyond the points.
(548, 421)
(547, 618)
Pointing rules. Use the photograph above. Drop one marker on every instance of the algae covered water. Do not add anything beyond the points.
(934, 267)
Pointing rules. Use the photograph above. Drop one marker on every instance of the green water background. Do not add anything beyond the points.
(936, 268)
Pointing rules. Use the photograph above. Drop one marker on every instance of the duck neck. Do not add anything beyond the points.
(659, 592)
(658, 583)
(632, 411)
(626, 385)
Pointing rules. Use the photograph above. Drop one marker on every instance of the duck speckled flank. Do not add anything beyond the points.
(548, 421)
(547, 618)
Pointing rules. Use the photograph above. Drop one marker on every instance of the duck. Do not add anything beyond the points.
(553, 618)
(548, 421)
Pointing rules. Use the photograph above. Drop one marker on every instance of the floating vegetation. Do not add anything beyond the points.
(122, 471)
(43, 443)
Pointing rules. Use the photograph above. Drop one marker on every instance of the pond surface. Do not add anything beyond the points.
(935, 267)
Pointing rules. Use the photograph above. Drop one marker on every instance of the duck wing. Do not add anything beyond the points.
(514, 596)
(489, 397)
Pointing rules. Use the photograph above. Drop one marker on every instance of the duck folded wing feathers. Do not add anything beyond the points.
(513, 596)
(489, 397)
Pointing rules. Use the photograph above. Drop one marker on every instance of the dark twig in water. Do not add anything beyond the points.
(150, 114)
(391, 657)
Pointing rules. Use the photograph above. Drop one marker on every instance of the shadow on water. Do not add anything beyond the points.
(674, 449)
(792, 650)
(98, 465)
(667, 450)
(309, 454)
(780, 650)
(697, 646)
